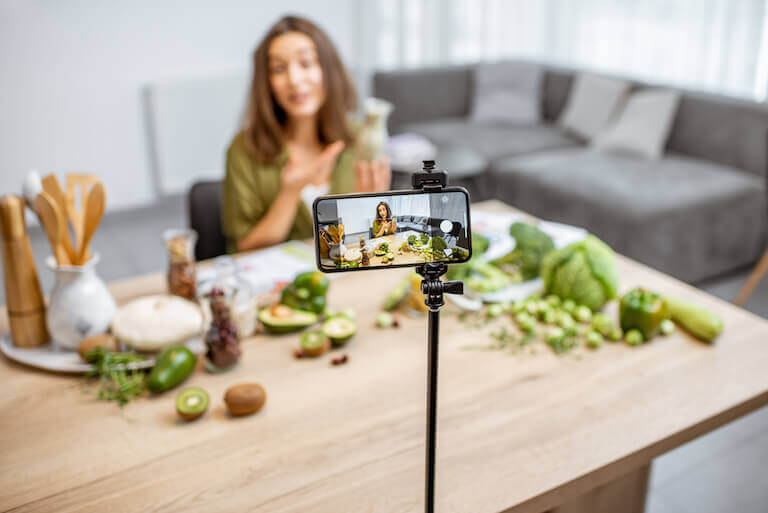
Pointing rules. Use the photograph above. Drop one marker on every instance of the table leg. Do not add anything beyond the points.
(752, 281)
(623, 495)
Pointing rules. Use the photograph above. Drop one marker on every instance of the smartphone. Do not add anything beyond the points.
(355, 232)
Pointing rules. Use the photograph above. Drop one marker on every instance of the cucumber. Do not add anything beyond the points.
(699, 322)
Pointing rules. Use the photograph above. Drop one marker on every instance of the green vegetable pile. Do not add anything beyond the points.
(584, 272)
(307, 292)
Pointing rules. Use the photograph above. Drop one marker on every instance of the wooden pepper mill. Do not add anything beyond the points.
(26, 308)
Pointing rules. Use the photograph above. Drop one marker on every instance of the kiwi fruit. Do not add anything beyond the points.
(314, 343)
(102, 340)
(191, 403)
(245, 399)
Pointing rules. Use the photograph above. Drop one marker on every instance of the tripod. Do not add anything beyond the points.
(433, 289)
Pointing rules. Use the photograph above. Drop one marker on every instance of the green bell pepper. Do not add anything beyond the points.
(642, 310)
(307, 292)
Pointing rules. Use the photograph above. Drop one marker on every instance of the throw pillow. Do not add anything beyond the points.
(592, 103)
(643, 126)
(507, 92)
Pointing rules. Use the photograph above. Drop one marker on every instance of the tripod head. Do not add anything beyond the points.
(432, 288)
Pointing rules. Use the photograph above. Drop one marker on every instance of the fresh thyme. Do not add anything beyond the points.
(117, 381)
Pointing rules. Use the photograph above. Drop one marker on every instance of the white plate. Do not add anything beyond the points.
(51, 359)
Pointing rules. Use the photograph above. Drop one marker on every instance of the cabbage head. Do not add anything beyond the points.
(584, 271)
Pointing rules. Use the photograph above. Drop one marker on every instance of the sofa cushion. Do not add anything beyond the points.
(490, 139)
(690, 218)
(507, 92)
(593, 102)
(643, 124)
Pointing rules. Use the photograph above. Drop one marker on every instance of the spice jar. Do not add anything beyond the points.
(243, 301)
(365, 259)
(180, 244)
(222, 342)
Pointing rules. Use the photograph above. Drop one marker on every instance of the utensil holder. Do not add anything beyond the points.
(80, 304)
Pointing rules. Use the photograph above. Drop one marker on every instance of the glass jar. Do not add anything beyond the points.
(222, 342)
(180, 244)
(242, 300)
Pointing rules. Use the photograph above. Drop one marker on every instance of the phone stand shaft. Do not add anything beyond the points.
(433, 289)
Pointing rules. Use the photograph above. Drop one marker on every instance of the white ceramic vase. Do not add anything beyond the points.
(80, 304)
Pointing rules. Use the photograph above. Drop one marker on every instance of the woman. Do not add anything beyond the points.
(384, 223)
(295, 143)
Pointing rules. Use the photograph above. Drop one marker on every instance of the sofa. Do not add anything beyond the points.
(697, 212)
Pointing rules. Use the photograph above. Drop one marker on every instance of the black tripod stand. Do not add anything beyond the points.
(433, 288)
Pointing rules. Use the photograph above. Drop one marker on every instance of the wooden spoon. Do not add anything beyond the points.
(77, 216)
(94, 210)
(55, 226)
(52, 187)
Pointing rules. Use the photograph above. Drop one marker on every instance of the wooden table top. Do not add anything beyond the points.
(517, 433)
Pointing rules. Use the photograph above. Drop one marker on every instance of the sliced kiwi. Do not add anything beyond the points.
(314, 343)
(191, 403)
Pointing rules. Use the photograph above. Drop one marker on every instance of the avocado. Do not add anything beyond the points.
(284, 319)
(339, 329)
(173, 366)
(191, 403)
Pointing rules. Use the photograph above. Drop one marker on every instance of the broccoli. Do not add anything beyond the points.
(438, 244)
(531, 244)
(479, 244)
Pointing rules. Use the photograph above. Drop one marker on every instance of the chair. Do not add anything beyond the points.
(204, 208)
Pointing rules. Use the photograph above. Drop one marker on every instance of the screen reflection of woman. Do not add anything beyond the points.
(295, 142)
(384, 224)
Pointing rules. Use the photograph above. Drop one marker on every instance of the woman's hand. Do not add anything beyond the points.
(295, 176)
(372, 176)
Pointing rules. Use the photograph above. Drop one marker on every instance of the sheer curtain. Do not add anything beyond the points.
(716, 45)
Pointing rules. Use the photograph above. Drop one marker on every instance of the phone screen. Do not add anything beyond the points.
(392, 229)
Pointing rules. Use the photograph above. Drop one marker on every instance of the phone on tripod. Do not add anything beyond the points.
(355, 232)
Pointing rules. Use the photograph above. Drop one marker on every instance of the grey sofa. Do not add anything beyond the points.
(698, 212)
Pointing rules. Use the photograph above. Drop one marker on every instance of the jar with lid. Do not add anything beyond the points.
(180, 244)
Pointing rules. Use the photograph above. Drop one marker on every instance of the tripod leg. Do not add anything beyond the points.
(434, 329)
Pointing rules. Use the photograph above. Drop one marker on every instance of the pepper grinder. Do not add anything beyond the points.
(26, 307)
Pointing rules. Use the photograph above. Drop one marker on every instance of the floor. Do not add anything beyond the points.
(721, 472)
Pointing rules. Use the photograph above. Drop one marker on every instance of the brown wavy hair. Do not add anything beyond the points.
(264, 119)
(389, 210)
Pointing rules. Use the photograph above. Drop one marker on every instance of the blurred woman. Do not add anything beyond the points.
(296, 142)
(384, 223)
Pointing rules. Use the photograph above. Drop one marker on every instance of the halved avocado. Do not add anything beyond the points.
(284, 319)
(339, 329)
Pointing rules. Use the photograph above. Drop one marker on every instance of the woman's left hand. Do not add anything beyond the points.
(373, 176)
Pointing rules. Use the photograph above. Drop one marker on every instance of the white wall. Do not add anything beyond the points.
(72, 73)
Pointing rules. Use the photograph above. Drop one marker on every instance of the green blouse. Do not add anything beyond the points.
(250, 188)
(377, 226)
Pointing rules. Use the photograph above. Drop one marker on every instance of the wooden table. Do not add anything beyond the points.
(517, 433)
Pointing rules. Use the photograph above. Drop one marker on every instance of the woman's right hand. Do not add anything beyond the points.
(295, 176)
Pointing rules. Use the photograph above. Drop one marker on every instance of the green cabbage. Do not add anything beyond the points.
(584, 271)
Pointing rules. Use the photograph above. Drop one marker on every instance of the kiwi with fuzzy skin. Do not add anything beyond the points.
(191, 403)
(245, 399)
(314, 343)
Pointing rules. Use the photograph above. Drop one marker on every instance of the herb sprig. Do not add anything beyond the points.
(117, 380)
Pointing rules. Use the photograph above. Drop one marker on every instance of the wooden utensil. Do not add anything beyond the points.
(52, 187)
(76, 215)
(55, 226)
(94, 210)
